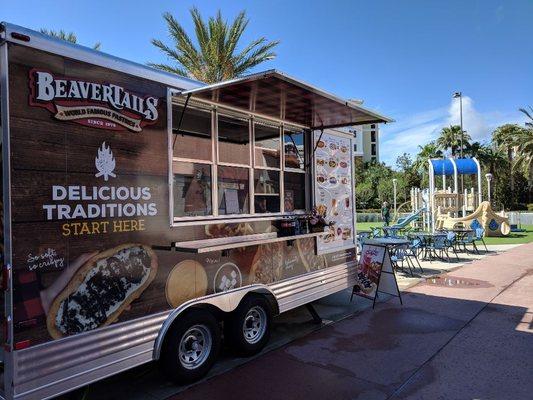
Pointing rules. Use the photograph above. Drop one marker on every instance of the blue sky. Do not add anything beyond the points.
(404, 58)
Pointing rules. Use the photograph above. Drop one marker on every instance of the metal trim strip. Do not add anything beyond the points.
(6, 195)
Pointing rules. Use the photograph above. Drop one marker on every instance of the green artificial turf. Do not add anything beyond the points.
(513, 238)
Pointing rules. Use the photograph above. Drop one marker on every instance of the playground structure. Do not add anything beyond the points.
(484, 217)
(408, 219)
(448, 206)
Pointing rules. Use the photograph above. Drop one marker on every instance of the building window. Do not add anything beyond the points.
(355, 147)
(372, 126)
(374, 159)
(229, 165)
(373, 149)
(373, 136)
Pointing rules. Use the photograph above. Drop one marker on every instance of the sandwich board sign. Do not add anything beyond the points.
(375, 274)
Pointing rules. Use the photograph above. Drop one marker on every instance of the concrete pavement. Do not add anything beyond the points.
(473, 340)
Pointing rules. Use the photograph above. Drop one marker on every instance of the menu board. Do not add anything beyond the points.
(333, 190)
(375, 274)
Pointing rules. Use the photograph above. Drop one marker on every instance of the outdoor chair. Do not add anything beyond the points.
(451, 237)
(399, 256)
(376, 232)
(469, 238)
(362, 237)
(480, 232)
(407, 230)
(391, 231)
(440, 245)
(414, 249)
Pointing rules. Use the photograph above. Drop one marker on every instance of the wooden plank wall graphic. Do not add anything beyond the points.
(47, 152)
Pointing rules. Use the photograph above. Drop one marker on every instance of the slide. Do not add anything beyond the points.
(484, 216)
(403, 222)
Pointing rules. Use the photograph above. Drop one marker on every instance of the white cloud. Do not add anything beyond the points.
(405, 135)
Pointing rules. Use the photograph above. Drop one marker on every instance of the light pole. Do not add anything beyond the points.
(394, 182)
(489, 178)
(460, 96)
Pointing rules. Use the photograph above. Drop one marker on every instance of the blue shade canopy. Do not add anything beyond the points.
(442, 167)
(465, 166)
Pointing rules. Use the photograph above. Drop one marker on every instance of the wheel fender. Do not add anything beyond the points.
(225, 302)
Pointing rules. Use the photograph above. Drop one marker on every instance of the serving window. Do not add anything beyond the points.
(233, 140)
(227, 165)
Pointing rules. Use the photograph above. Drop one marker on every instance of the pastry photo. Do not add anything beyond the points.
(101, 289)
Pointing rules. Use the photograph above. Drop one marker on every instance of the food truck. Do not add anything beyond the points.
(146, 215)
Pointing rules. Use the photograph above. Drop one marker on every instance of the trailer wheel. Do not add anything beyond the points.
(191, 346)
(247, 330)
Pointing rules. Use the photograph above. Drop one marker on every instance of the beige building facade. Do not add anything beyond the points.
(366, 144)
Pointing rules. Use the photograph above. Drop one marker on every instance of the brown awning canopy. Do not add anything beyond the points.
(276, 95)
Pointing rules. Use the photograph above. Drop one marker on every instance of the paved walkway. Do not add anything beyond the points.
(470, 340)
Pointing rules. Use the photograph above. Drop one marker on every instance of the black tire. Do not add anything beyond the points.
(245, 343)
(180, 365)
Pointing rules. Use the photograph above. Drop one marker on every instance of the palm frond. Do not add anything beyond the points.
(169, 68)
(529, 114)
(213, 55)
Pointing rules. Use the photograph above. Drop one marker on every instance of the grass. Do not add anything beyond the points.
(513, 238)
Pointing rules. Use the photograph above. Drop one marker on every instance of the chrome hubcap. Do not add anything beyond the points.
(255, 323)
(195, 346)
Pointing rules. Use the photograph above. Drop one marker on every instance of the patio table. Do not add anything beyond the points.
(461, 232)
(427, 239)
(388, 241)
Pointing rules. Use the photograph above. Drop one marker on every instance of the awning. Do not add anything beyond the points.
(464, 166)
(276, 95)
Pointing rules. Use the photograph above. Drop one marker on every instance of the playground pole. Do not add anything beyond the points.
(489, 178)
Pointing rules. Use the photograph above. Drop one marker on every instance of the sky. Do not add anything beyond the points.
(405, 59)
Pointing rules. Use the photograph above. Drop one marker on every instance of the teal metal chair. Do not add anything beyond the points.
(469, 238)
(480, 232)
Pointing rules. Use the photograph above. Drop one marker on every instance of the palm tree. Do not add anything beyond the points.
(528, 114)
(450, 138)
(214, 57)
(428, 151)
(490, 158)
(505, 137)
(524, 150)
(67, 36)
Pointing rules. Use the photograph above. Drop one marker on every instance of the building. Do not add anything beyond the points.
(370, 139)
(366, 145)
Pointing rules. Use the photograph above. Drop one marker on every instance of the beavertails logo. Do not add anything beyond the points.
(100, 105)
